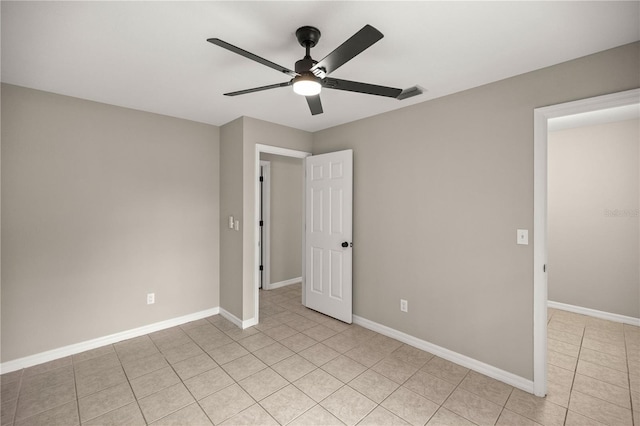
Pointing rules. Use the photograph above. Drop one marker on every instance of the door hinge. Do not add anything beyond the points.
(261, 267)
(261, 223)
(261, 179)
(544, 268)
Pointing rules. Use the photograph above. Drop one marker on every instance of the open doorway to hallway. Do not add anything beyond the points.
(542, 264)
(281, 221)
(261, 150)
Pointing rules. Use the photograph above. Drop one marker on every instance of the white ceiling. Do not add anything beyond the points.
(153, 56)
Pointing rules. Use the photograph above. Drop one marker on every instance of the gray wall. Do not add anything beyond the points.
(593, 250)
(101, 205)
(238, 181)
(285, 217)
(231, 204)
(265, 133)
(439, 191)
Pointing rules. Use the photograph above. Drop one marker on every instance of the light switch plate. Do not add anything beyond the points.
(523, 237)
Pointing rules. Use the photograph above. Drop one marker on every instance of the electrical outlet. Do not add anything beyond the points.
(151, 298)
(404, 305)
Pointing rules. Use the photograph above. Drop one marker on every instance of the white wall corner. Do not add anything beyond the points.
(234, 319)
(237, 321)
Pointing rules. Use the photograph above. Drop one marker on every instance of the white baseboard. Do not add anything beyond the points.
(31, 360)
(279, 284)
(463, 360)
(594, 313)
(237, 321)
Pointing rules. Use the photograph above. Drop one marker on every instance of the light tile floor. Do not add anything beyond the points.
(302, 368)
(593, 370)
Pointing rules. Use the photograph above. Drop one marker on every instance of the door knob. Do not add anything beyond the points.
(345, 244)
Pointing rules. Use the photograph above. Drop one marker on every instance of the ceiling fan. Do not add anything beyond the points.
(310, 76)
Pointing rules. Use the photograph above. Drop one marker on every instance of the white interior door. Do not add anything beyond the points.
(328, 234)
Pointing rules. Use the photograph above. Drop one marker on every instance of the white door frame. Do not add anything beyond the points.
(540, 249)
(285, 152)
(265, 242)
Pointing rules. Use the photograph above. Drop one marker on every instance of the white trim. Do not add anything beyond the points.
(539, 254)
(273, 286)
(595, 313)
(285, 152)
(267, 149)
(463, 360)
(541, 116)
(76, 348)
(266, 226)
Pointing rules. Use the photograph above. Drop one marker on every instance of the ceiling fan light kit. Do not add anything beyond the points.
(311, 76)
(307, 85)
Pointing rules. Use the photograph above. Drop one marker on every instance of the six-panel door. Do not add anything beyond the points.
(329, 191)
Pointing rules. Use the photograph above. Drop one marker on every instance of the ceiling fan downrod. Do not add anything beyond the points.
(308, 37)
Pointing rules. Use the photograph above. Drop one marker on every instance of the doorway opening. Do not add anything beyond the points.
(281, 221)
(258, 275)
(540, 260)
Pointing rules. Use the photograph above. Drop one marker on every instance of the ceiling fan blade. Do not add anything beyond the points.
(259, 89)
(359, 42)
(251, 56)
(314, 104)
(354, 86)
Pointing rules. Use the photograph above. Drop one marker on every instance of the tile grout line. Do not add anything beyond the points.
(75, 385)
(504, 407)
(575, 372)
(182, 381)
(15, 412)
(595, 397)
(566, 413)
(626, 355)
(315, 403)
(449, 396)
(180, 378)
(172, 369)
(129, 383)
(21, 380)
(221, 367)
(320, 368)
(316, 368)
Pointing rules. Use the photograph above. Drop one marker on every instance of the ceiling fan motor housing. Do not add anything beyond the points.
(304, 65)
(308, 36)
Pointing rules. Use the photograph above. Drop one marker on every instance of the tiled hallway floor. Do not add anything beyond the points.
(300, 367)
(594, 369)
